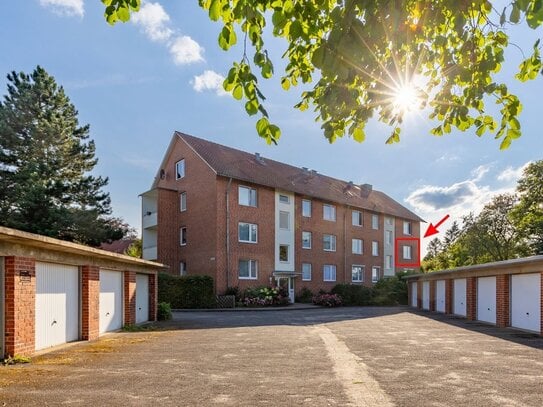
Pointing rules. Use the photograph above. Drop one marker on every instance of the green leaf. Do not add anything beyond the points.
(359, 135)
(506, 143)
(238, 92)
(215, 10)
(123, 14)
(251, 107)
(515, 14)
(285, 83)
(262, 127)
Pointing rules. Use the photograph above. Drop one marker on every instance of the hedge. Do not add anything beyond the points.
(186, 291)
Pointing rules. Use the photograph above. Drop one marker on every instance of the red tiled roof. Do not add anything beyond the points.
(117, 246)
(240, 165)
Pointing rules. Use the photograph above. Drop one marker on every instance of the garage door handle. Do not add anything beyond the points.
(488, 309)
(527, 313)
(54, 322)
(107, 314)
(139, 308)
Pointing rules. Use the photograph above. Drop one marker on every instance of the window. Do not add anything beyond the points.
(183, 201)
(306, 240)
(180, 169)
(357, 246)
(389, 221)
(407, 228)
(329, 272)
(407, 252)
(357, 274)
(284, 220)
(375, 248)
(283, 253)
(375, 274)
(247, 196)
(329, 243)
(183, 236)
(284, 199)
(329, 212)
(357, 218)
(247, 269)
(248, 232)
(375, 222)
(306, 271)
(388, 237)
(388, 262)
(182, 268)
(306, 208)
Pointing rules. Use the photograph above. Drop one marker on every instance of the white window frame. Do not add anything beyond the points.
(361, 251)
(304, 277)
(388, 262)
(183, 236)
(183, 201)
(407, 252)
(250, 264)
(306, 214)
(287, 214)
(288, 253)
(310, 239)
(284, 199)
(375, 248)
(251, 225)
(375, 222)
(180, 174)
(362, 271)
(332, 243)
(182, 268)
(330, 268)
(332, 209)
(407, 228)
(251, 192)
(360, 220)
(373, 277)
(389, 221)
(388, 237)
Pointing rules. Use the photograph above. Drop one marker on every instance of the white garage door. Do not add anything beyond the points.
(459, 294)
(426, 295)
(486, 299)
(526, 301)
(57, 304)
(440, 295)
(414, 295)
(111, 300)
(142, 298)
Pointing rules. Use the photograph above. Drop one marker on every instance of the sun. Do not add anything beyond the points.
(406, 98)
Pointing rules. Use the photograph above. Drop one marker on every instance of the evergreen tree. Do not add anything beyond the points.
(45, 162)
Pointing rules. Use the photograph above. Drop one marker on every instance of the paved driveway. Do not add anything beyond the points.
(320, 357)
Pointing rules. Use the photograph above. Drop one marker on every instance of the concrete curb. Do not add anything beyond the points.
(249, 309)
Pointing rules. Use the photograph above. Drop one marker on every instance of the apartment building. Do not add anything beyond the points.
(247, 220)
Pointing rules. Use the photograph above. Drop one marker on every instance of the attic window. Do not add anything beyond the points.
(180, 169)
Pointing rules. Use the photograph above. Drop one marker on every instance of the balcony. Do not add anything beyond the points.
(150, 220)
(150, 253)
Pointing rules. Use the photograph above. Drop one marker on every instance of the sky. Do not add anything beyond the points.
(138, 82)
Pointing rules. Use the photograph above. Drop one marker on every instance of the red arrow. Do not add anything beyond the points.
(432, 230)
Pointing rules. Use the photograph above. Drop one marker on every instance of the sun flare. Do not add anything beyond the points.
(406, 98)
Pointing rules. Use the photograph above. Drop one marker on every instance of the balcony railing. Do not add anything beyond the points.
(150, 253)
(150, 220)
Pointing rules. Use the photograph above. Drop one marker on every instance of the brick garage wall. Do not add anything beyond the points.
(503, 300)
(90, 302)
(449, 284)
(129, 296)
(153, 295)
(433, 295)
(471, 298)
(20, 302)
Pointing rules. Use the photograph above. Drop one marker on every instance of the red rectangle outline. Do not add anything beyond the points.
(415, 239)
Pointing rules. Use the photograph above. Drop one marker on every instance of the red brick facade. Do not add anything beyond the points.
(20, 289)
(503, 295)
(90, 302)
(129, 297)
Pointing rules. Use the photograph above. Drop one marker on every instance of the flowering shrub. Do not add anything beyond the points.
(327, 300)
(265, 296)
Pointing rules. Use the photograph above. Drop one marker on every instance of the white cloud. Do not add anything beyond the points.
(479, 172)
(185, 50)
(65, 7)
(511, 174)
(154, 21)
(209, 80)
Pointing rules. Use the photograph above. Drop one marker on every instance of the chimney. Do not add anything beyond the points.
(305, 170)
(259, 158)
(365, 190)
(313, 172)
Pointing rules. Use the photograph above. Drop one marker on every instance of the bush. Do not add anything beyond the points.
(390, 291)
(305, 295)
(186, 291)
(327, 300)
(352, 294)
(265, 296)
(164, 311)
